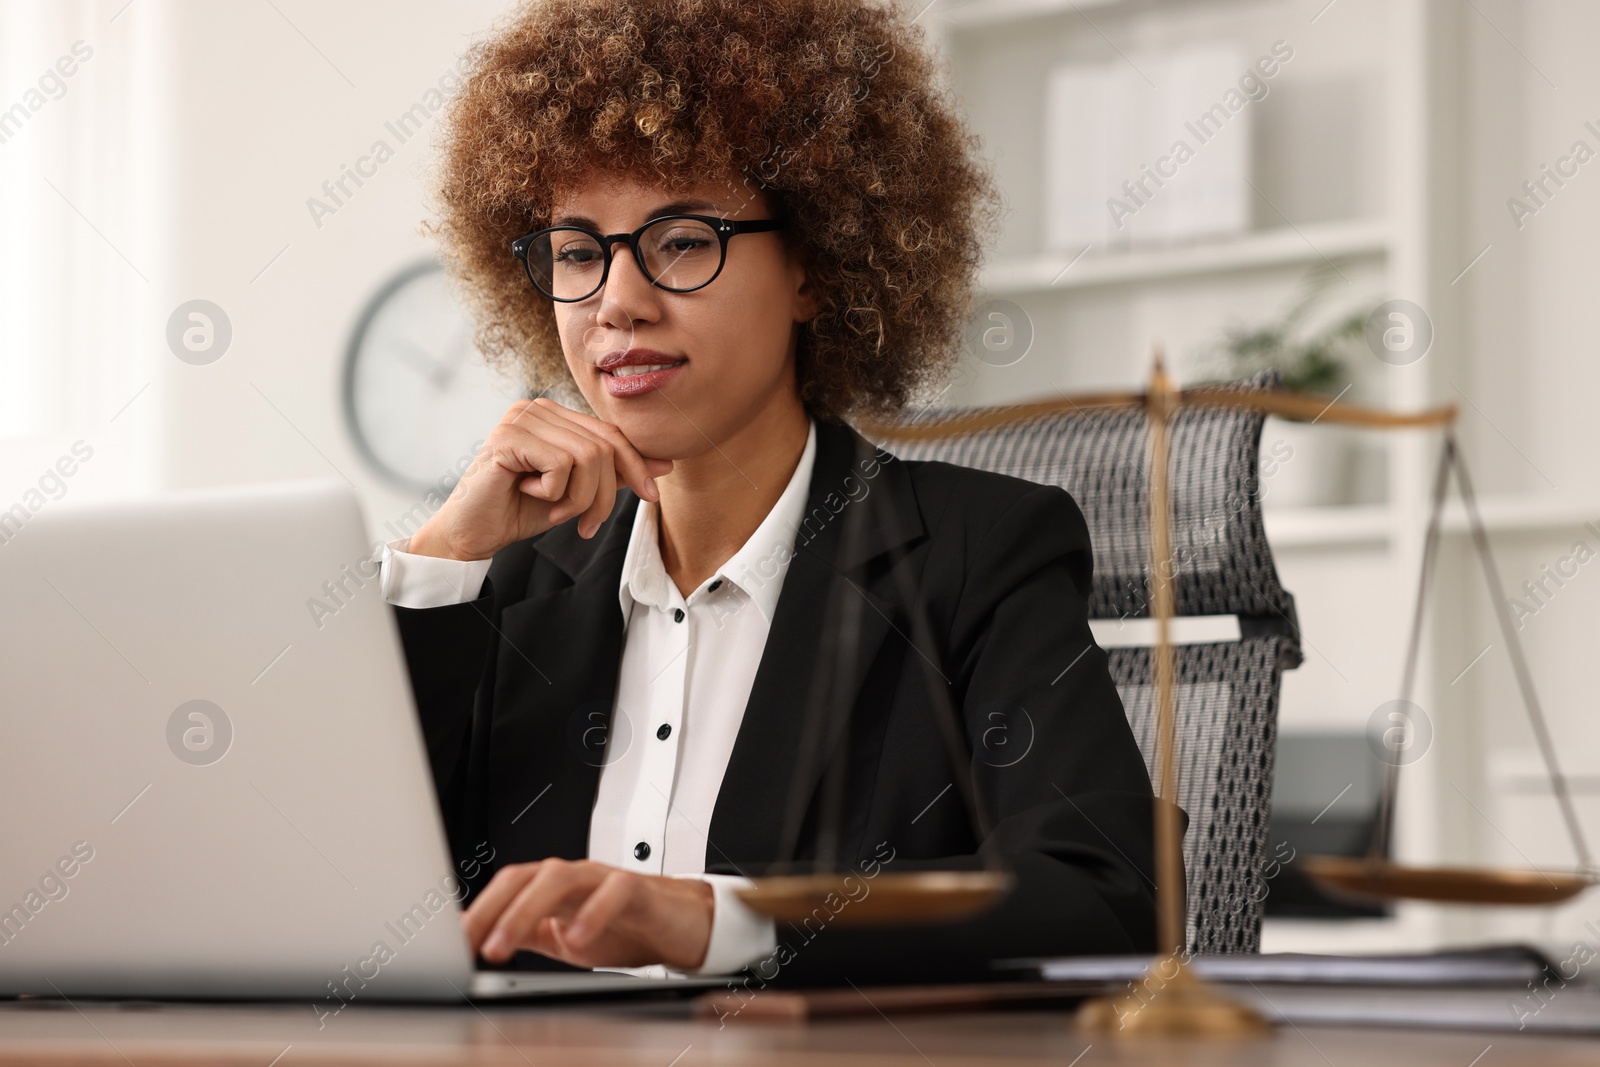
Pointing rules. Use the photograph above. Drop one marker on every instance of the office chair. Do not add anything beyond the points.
(1227, 692)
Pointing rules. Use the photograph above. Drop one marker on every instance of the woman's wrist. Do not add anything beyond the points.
(428, 541)
(698, 896)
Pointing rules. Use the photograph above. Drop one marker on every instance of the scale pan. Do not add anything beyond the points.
(1360, 877)
(921, 896)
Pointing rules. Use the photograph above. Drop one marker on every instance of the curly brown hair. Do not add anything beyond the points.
(831, 108)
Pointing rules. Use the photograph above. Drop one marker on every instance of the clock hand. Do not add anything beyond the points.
(460, 342)
(425, 364)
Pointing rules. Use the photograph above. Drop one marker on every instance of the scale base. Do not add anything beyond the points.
(1170, 1001)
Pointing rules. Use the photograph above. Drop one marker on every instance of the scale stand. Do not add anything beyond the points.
(1170, 999)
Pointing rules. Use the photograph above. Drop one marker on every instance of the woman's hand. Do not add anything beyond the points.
(541, 465)
(591, 914)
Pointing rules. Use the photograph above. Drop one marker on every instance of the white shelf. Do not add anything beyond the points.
(1361, 524)
(1524, 513)
(1333, 526)
(993, 12)
(1283, 246)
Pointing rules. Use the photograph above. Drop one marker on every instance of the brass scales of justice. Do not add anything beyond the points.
(1186, 1004)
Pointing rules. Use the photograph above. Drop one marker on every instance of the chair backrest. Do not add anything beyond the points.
(1227, 692)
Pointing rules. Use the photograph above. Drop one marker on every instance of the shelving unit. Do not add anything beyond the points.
(1377, 232)
(1388, 239)
(1386, 147)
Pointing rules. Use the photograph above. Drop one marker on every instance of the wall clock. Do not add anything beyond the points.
(417, 394)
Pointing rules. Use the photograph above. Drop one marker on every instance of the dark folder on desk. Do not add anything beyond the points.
(1495, 988)
(1495, 965)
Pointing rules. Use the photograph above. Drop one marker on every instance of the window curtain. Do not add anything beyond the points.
(80, 223)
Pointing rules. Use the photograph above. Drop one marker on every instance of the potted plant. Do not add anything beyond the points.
(1301, 464)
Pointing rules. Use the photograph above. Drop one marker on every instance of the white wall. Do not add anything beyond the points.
(1528, 333)
(266, 112)
(232, 116)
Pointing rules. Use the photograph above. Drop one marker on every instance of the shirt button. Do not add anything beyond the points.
(677, 614)
(641, 851)
(663, 731)
(714, 584)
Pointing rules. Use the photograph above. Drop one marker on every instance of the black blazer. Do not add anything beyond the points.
(511, 686)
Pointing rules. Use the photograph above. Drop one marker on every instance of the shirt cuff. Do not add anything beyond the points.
(415, 581)
(739, 936)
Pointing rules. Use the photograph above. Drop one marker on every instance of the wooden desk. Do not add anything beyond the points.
(661, 1035)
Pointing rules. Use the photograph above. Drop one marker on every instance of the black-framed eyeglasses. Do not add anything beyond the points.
(679, 253)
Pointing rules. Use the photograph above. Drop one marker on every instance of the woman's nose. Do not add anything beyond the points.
(628, 293)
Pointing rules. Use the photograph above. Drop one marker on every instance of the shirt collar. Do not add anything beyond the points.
(757, 567)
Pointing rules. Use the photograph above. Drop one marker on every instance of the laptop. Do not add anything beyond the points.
(213, 777)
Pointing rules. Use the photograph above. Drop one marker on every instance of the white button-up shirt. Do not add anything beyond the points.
(688, 664)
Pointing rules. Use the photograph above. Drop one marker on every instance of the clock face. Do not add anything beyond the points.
(417, 394)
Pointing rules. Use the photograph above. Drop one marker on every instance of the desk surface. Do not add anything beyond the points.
(661, 1035)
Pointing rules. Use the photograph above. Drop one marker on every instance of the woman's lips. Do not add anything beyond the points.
(639, 381)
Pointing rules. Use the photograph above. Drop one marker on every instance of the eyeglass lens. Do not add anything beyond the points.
(678, 254)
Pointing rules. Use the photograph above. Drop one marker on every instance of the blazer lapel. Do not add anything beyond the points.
(555, 688)
(851, 480)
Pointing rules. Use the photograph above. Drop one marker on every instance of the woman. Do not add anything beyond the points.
(716, 229)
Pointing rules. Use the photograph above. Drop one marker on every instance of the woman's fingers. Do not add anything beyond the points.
(591, 915)
(604, 499)
(617, 892)
(540, 451)
(592, 486)
(545, 463)
(545, 939)
(591, 459)
(542, 897)
(637, 472)
(486, 908)
(564, 456)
